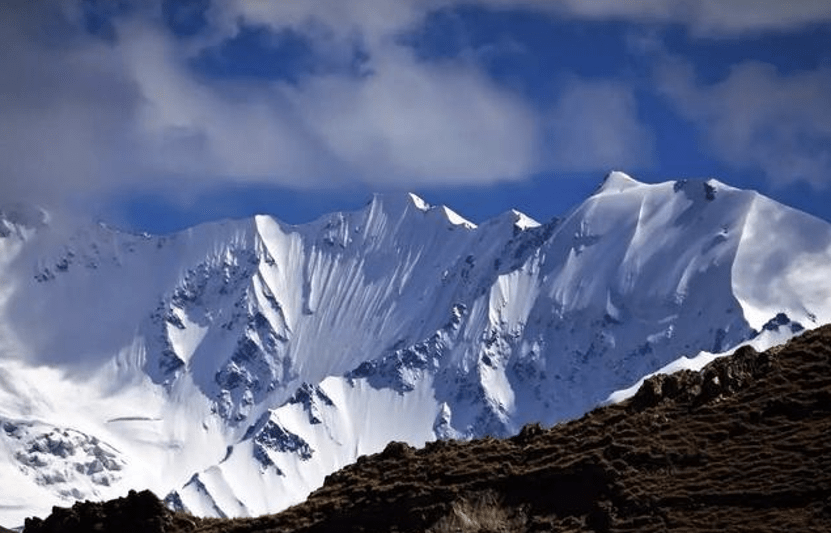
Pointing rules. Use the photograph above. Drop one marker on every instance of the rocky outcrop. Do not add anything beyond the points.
(138, 512)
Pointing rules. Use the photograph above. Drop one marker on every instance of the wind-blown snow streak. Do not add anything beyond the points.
(246, 360)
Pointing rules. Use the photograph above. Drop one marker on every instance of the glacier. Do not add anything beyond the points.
(232, 366)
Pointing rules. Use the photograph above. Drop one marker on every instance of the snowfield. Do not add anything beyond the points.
(232, 366)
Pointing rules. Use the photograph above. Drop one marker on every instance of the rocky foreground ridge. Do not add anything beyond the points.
(742, 445)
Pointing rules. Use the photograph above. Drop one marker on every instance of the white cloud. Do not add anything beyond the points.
(721, 17)
(57, 105)
(374, 21)
(707, 18)
(409, 121)
(406, 122)
(89, 116)
(595, 125)
(222, 131)
(425, 123)
(714, 18)
(757, 118)
(96, 116)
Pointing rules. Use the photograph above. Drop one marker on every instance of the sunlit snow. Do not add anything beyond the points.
(232, 366)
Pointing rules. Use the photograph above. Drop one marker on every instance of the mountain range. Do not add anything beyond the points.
(232, 366)
(740, 446)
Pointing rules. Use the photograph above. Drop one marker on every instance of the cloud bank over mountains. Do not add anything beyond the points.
(99, 97)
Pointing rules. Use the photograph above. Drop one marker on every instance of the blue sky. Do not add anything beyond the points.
(157, 115)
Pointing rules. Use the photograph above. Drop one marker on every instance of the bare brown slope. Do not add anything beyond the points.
(743, 445)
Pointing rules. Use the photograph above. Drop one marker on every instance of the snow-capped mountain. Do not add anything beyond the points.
(232, 366)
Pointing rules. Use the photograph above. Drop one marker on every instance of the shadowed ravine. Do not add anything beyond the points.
(743, 445)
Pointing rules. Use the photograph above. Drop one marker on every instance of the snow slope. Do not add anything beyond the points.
(234, 365)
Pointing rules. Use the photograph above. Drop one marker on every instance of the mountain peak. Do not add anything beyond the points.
(615, 182)
(523, 221)
(456, 219)
(418, 202)
(398, 202)
(394, 203)
(513, 218)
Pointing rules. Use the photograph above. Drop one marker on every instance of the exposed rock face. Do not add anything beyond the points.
(722, 377)
(138, 512)
(743, 445)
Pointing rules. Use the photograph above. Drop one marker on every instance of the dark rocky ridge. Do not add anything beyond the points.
(743, 445)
